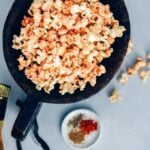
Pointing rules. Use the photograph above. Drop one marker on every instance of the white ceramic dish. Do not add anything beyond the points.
(91, 139)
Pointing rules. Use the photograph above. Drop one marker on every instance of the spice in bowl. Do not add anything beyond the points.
(81, 127)
(88, 126)
(77, 136)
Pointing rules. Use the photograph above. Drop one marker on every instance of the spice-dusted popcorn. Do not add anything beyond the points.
(140, 62)
(148, 60)
(148, 56)
(144, 75)
(148, 64)
(64, 42)
(130, 47)
(115, 96)
(123, 79)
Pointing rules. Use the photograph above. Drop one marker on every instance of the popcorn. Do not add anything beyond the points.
(83, 6)
(93, 38)
(123, 78)
(58, 4)
(130, 47)
(64, 42)
(144, 75)
(115, 96)
(37, 18)
(120, 31)
(148, 64)
(22, 62)
(137, 66)
(148, 60)
(75, 9)
(148, 56)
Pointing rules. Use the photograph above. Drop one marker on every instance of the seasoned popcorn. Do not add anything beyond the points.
(144, 75)
(148, 60)
(64, 42)
(123, 78)
(115, 96)
(148, 56)
(140, 62)
(130, 47)
(148, 64)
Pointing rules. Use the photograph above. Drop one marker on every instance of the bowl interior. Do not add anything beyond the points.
(12, 26)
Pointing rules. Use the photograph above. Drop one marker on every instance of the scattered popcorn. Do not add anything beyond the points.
(64, 42)
(144, 75)
(148, 64)
(140, 63)
(123, 78)
(148, 56)
(115, 96)
(130, 47)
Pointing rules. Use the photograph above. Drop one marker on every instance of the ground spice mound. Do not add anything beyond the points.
(80, 128)
(77, 136)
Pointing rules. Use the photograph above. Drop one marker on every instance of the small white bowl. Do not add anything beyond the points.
(90, 140)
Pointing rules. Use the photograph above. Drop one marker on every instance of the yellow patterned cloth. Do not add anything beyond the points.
(4, 91)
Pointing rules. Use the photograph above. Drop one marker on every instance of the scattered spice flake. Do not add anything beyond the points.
(130, 47)
(144, 75)
(123, 78)
(115, 96)
(75, 121)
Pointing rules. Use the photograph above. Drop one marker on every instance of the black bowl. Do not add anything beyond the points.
(13, 25)
(31, 107)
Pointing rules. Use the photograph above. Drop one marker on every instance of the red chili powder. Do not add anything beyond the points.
(88, 126)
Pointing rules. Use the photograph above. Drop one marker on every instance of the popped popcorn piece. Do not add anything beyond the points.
(144, 75)
(123, 78)
(130, 47)
(115, 96)
(58, 4)
(75, 9)
(148, 64)
(64, 42)
(148, 56)
(140, 63)
(148, 60)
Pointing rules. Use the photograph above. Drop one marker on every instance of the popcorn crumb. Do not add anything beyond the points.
(130, 47)
(144, 75)
(123, 78)
(115, 96)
